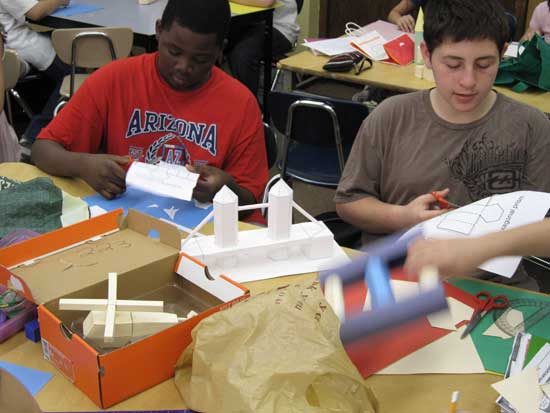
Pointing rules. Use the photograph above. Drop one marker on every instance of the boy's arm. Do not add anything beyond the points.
(44, 8)
(458, 257)
(400, 16)
(256, 3)
(377, 217)
(104, 173)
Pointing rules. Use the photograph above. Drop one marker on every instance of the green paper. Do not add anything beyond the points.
(494, 351)
(535, 345)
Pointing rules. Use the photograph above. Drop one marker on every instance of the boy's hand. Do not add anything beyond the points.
(452, 257)
(406, 23)
(105, 173)
(422, 208)
(211, 180)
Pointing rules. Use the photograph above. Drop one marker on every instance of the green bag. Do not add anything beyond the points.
(531, 68)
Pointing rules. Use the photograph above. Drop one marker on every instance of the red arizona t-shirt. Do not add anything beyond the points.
(126, 108)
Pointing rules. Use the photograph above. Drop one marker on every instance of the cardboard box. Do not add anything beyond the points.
(73, 262)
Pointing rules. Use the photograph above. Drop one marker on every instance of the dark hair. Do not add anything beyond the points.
(458, 20)
(199, 16)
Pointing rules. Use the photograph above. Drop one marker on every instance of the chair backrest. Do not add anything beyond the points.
(316, 120)
(512, 25)
(299, 4)
(92, 47)
(270, 145)
(12, 68)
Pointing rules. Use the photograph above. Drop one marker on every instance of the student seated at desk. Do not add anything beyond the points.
(540, 22)
(9, 144)
(173, 105)
(461, 257)
(401, 16)
(34, 49)
(246, 43)
(460, 138)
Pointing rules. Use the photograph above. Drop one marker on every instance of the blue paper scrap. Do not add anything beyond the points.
(176, 211)
(74, 9)
(32, 379)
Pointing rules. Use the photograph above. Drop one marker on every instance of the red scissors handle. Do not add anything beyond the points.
(488, 302)
(442, 202)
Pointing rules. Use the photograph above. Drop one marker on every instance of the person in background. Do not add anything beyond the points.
(173, 105)
(9, 144)
(401, 14)
(34, 49)
(461, 139)
(461, 257)
(540, 22)
(246, 43)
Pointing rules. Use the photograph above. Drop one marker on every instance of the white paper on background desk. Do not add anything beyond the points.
(492, 214)
(254, 267)
(169, 180)
(448, 355)
(522, 390)
(331, 47)
(371, 44)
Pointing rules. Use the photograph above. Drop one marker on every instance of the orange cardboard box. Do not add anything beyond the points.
(73, 262)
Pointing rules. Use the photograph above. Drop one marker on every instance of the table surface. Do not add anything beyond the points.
(395, 393)
(141, 18)
(400, 78)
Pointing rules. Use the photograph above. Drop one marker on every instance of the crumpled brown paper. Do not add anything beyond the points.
(277, 352)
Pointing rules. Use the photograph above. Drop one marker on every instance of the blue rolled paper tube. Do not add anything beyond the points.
(388, 248)
(377, 277)
(401, 312)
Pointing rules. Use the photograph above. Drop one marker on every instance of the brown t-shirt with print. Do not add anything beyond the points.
(404, 150)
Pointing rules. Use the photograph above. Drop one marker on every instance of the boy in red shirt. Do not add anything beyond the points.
(173, 105)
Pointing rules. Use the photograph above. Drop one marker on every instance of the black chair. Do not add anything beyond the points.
(512, 25)
(270, 146)
(318, 133)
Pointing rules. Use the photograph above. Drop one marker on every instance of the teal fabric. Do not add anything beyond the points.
(36, 205)
(531, 68)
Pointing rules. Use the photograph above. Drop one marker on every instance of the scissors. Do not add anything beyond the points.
(442, 202)
(485, 302)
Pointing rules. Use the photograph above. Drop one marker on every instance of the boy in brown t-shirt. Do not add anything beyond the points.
(461, 138)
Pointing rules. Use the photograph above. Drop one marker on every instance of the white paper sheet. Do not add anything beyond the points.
(371, 44)
(164, 179)
(448, 355)
(492, 214)
(521, 390)
(331, 47)
(449, 318)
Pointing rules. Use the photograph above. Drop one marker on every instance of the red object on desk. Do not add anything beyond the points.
(377, 351)
(400, 50)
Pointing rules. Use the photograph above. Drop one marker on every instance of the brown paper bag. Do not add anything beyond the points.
(277, 352)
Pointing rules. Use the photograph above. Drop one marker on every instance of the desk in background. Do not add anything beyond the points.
(141, 19)
(399, 78)
(395, 393)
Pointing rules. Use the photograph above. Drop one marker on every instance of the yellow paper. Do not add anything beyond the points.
(419, 26)
(522, 390)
